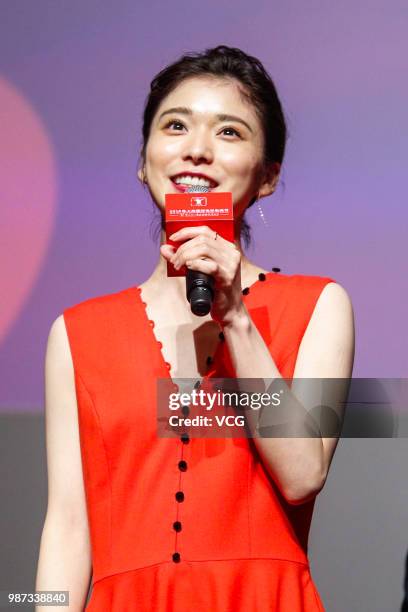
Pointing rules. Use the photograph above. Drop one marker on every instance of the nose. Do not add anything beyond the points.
(198, 147)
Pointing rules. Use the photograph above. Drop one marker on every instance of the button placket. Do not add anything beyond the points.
(184, 437)
(176, 557)
(182, 466)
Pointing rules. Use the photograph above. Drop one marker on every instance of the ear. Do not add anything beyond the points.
(141, 174)
(269, 180)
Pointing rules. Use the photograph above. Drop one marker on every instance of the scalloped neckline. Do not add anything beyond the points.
(166, 365)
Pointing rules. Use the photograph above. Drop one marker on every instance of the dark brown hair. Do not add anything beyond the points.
(259, 89)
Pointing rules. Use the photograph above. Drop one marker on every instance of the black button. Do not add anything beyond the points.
(221, 336)
(209, 360)
(245, 291)
(177, 526)
(176, 557)
(182, 465)
(197, 384)
(261, 276)
(185, 410)
(180, 496)
(276, 269)
(184, 438)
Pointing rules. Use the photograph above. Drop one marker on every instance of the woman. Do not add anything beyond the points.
(191, 523)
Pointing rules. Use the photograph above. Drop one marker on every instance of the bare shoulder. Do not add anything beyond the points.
(335, 294)
(327, 347)
(58, 345)
(335, 316)
(59, 367)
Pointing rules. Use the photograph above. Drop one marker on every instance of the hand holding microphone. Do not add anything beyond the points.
(202, 231)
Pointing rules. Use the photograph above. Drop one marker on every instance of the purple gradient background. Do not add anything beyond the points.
(341, 71)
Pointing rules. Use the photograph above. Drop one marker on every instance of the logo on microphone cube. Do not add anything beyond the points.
(199, 201)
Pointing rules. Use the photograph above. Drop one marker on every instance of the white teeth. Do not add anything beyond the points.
(192, 180)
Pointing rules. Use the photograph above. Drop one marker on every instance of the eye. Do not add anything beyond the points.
(174, 122)
(231, 129)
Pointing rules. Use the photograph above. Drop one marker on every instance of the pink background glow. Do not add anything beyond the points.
(27, 196)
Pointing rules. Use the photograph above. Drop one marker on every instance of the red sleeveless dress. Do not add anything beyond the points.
(209, 534)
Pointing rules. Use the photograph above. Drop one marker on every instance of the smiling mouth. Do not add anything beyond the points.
(187, 180)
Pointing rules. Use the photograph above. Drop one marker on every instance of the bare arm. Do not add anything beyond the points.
(300, 465)
(65, 556)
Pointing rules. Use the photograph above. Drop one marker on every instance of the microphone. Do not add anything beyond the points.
(199, 286)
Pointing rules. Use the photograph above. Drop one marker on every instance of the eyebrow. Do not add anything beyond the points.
(183, 110)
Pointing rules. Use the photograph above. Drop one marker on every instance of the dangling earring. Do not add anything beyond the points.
(261, 213)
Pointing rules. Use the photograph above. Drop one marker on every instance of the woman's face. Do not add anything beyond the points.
(205, 129)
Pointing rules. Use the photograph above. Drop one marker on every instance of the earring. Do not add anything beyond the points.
(261, 213)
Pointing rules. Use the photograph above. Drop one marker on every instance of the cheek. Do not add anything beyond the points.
(243, 165)
(160, 152)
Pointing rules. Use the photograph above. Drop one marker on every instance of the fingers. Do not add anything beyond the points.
(190, 251)
(221, 257)
(186, 233)
(207, 266)
(167, 250)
